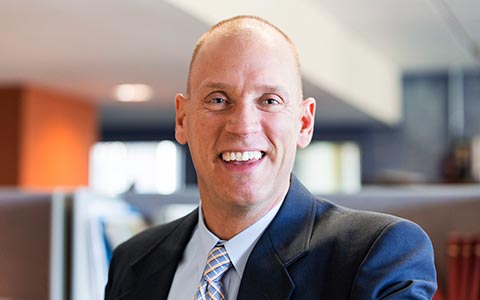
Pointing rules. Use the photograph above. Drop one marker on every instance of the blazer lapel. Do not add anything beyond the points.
(285, 241)
(265, 276)
(156, 267)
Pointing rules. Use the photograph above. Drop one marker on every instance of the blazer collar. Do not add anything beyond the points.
(286, 240)
(155, 268)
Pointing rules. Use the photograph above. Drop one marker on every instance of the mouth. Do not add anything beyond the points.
(241, 156)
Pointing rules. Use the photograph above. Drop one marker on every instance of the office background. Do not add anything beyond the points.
(397, 85)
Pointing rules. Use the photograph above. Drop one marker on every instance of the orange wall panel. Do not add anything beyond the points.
(10, 100)
(56, 135)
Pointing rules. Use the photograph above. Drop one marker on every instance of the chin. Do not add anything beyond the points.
(244, 195)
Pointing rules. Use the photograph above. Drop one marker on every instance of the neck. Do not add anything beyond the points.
(226, 224)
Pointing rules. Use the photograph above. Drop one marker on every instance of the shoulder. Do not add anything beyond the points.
(325, 220)
(147, 249)
(357, 254)
(140, 244)
(389, 255)
(350, 221)
(322, 221)
(363, 229)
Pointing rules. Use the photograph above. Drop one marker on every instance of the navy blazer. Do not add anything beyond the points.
(313, 249)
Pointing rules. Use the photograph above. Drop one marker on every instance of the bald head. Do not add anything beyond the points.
(241, 27)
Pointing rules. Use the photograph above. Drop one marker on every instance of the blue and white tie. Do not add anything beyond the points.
(218, 263)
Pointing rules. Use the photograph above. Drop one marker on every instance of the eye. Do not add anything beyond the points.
(216, 101)
(271, 101)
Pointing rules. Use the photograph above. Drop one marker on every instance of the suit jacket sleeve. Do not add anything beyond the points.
(398, 265)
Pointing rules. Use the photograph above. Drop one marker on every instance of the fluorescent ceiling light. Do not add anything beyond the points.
(133, 92)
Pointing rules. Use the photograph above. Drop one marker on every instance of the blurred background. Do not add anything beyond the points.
(88, 156)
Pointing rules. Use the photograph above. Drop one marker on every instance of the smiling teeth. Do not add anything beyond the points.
(241, 156)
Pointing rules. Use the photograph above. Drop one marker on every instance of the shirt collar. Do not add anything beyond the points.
(241, 245)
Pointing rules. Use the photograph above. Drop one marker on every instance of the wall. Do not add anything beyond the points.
(9, 134)
(415, 149)
(472, 103)
(55, 132)
(25, 245)
(419, 144)
(422, 141)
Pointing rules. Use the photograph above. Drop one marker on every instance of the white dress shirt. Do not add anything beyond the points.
(190, 269)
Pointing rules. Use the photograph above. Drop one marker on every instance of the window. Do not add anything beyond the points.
(145, 167)
(326, 167)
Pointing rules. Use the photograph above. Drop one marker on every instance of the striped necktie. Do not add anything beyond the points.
(218, 263)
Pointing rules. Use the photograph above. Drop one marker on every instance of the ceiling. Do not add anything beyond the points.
(417, 35)
(87, 47)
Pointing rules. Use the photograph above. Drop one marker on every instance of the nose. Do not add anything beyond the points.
(244, 119)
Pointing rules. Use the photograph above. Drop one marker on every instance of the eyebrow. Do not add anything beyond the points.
(266, 88)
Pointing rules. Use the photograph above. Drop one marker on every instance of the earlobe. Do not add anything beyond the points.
(180, 103)
(307, 120)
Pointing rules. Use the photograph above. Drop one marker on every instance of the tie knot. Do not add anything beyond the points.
(218, 262)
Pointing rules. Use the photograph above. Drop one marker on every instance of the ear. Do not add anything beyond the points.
(307, 120)
(180, 116)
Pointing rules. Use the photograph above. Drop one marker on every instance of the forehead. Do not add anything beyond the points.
(247, 32)
(263, 56)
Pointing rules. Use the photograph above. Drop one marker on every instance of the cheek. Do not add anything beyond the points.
(195, 124)
(283, 124)
(289, 133)
(282, 132)
(203, 129)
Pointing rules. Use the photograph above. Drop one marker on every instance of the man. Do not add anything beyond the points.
(243, 117)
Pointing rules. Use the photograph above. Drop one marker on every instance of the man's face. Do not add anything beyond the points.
(243, 120)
